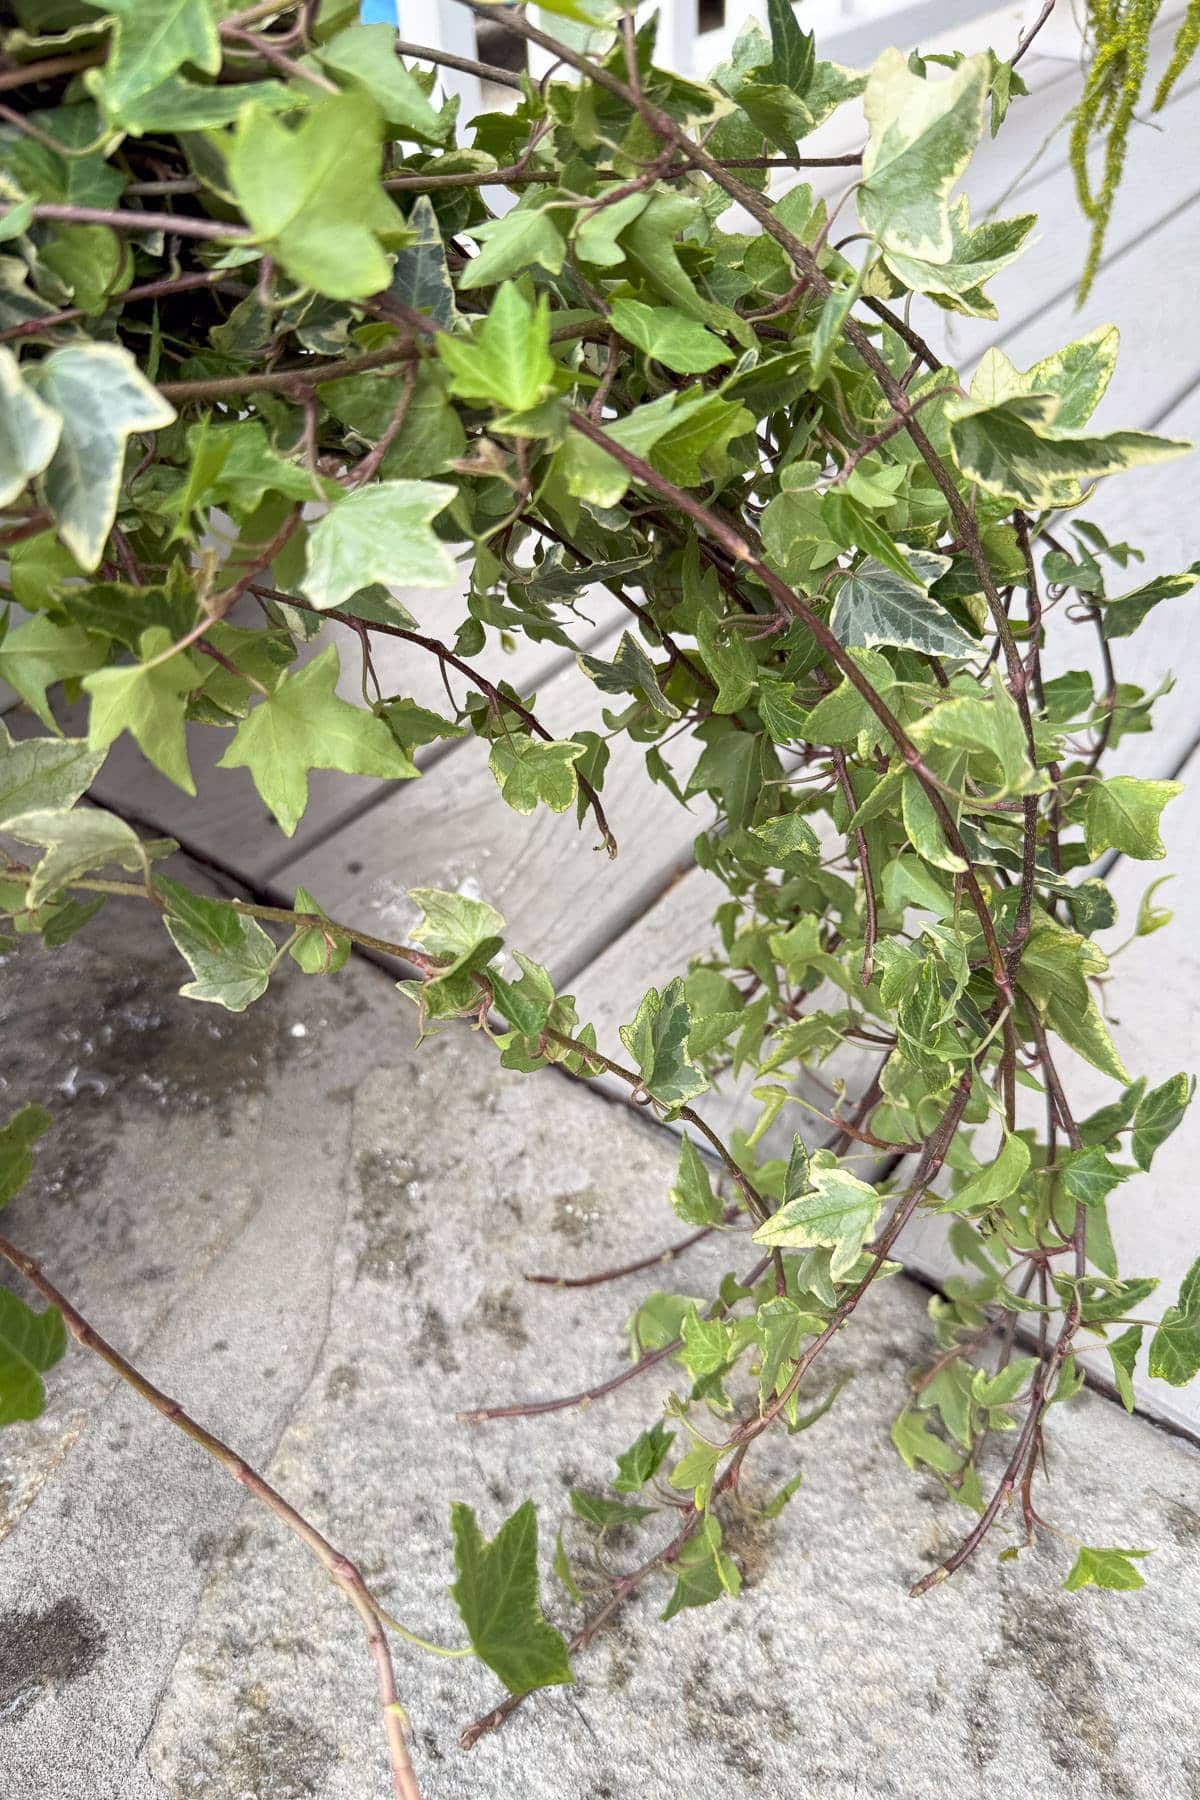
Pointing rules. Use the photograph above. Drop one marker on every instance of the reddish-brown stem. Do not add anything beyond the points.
(634, 1268)
(339, 1568)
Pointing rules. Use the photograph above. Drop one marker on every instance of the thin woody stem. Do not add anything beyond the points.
(339, 1568)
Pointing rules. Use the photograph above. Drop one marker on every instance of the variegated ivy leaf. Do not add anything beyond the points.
(658, 1042)
(43, 774)
(152, 40)
(380, 533)
(29, 429)
(530, 770)
(76, 843)
(876, 606)
(231, 956)
(922, 135)
(839, 1211)
(102, 397)
(1020, 435)
(630, 671)
(977, 253)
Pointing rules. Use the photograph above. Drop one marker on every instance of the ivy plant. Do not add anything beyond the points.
(282, 333)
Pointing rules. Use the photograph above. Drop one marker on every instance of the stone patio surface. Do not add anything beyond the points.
(314, 1236)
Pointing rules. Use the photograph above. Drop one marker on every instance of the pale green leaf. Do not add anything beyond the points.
(1115, 1569)
(381, 532)
(1123, 814)
(311, 193)
(365, 55)
(692, 1193)
(149, 700)
(305, 725)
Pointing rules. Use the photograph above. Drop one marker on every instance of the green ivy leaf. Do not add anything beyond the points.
(322, 949)
(851, 527)
(1124, 1352)
(507, 363)
(312, 196)
(1106, 1569)
(1159, 1114)
(991, 1185)
(1121, 616)
(643, 1459)
(524, 238)
(230, 955)
(30, 1343)
(149, 700)
(604, 1514)
(379, 533)
(366, 56)
(658, 1042)
(1123, 814)
(917, 1442)
(1088, 1177)
(669, 336)
(305, 725)
(17, 1137)
(692, 1194)
(497, 1595)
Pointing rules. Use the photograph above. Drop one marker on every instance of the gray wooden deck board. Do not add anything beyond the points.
(228, 824)
(562, 900)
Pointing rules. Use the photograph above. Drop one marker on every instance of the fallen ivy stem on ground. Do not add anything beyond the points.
(341, 1571)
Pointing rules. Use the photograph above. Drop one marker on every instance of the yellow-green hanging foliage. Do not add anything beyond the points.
(1120, 36)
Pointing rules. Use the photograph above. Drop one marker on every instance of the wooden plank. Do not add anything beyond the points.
(1053, 70)
(563, 902)
(1159, 182)
(227, 823)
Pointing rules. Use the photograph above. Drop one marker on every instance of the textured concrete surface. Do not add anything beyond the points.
(315, 1237)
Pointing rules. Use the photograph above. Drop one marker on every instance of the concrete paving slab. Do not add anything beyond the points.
(318, 1243)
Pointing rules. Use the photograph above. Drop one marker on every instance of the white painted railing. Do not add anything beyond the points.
(695, 35)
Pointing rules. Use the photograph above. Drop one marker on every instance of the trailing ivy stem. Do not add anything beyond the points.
(340, 1569)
